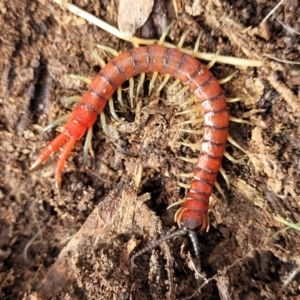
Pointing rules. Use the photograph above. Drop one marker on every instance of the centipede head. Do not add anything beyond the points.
(191, 219)
(178, 232)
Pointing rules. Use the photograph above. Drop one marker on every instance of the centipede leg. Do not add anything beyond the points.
(228, 78)
(214, 60)
(88, 146)
(70, 100)
(51, 147)
(83, 79)
(179, 46)
(56, 123)
(65, 152)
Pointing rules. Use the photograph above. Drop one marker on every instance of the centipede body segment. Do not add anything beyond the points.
(193, 213)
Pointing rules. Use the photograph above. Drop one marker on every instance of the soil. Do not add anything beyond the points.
(78, 246)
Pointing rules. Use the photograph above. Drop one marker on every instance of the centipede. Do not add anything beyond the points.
(192, 216)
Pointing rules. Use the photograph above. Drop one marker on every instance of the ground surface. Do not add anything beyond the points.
(78, 247)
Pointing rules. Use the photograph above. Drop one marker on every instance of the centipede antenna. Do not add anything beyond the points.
(194, 240)
(154, 244)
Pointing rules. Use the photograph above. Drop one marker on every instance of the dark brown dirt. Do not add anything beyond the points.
(79, 247)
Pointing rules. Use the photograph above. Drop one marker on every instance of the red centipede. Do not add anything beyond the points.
(193, 215)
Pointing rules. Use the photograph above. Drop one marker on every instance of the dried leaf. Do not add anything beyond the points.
(133, 14)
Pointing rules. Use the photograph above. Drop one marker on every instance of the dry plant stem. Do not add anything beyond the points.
(110, 29)
(289, 224)
(285, 61)
(287, 27)
(30, 242)
(291, 277)
(272, 11)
